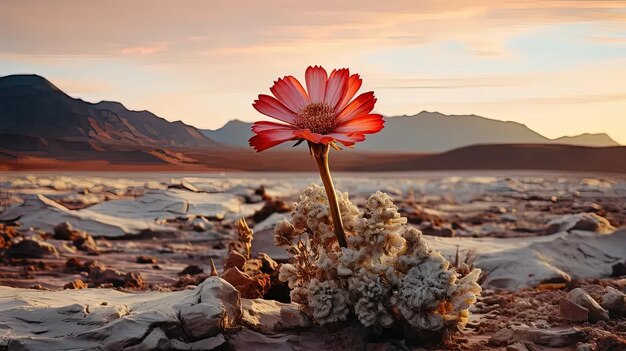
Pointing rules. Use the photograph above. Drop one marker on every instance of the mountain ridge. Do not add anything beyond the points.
(433, 132)
(42, 127)
(31, 105)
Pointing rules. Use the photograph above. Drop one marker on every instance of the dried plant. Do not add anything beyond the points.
(245, 236)
(466, 264)
(387, 277)
(213, 269)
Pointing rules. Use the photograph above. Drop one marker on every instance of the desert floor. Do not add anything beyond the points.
(144, 241)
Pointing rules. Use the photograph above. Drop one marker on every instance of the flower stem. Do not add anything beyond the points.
(320, 153)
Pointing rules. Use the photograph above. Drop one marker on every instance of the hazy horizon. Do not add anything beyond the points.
(558, 67)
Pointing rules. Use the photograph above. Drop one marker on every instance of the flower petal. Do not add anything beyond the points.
(264, 126)
(336, 86)
(313, 137)
(347, 139)
(316, 78)
(271, 107)
(362, 105)
(354, 84)
(367, 124)
(265, 140)
(290, 92)
(295, 84)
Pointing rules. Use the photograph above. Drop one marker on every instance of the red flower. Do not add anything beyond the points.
(326, 114)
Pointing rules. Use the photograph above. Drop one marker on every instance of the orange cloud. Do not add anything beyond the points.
(146, 50)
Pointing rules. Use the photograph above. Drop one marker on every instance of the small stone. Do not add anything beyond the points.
(201, 224)
(249, 286)
(581, 298)
(29, 248)
(550, 337)
(146, 260)
(234, 259)
(614, 301)
(584, 347)
(268, 264)
(73, 265)
(270, 207)
(236, 277)
(86, 243)
(502, 337)
(572, 312)
(429, 228)
(134, 280)
(82, 240)
(192, 269)
(65, 231)
(103, 277)
(518, 346)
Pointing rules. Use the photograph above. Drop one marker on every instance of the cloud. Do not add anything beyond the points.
(574, 99)
(96, 28)
(145, 50)
(443, 83)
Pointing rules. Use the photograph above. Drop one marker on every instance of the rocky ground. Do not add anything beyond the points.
(555, 262)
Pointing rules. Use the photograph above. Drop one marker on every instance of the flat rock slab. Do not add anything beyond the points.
(106, 319)
(120, 217)
(516, 263)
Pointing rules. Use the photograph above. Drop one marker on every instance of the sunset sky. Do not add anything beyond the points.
(557, 66)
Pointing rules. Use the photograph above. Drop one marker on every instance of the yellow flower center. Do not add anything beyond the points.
(317, 117)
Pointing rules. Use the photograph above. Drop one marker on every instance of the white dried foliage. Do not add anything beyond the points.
(328, 301)
(387, 276)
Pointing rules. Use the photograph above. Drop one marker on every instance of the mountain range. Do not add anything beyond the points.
(37, 117)
(41, 127)
(432, 132)
(31, 105)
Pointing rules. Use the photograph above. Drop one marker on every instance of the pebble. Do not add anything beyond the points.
(581, 298)
(518, 346)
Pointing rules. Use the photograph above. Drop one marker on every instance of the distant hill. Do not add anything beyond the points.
(32, 107)
(42, 128)
(433, 132)
(587, 139)
(234, 133)
(553, 157)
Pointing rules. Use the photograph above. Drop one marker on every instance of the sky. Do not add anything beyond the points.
(557, 66)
